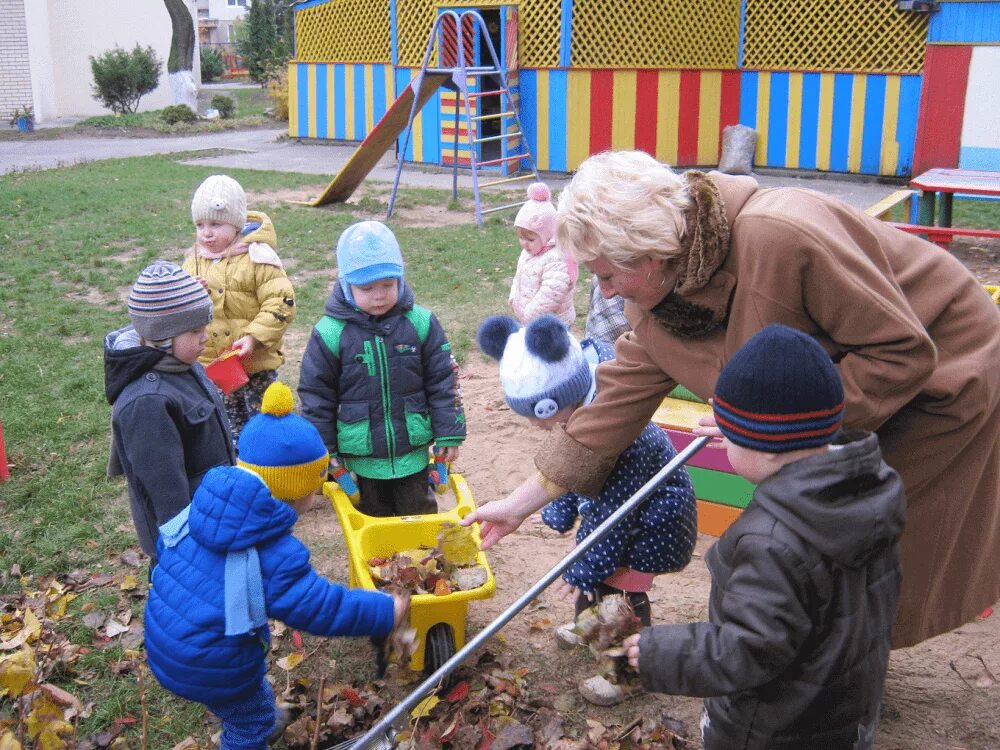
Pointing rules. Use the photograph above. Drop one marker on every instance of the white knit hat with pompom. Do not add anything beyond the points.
(538, 215)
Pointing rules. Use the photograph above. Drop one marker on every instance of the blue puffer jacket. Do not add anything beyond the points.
(659, 537)
(186, 642)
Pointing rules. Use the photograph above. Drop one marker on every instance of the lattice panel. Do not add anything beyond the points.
(655, 34)
(539, 33)
(414, 19)
(344, 31)
(869, 36)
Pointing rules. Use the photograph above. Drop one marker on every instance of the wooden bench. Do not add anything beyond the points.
(942, 236)
(883, 208)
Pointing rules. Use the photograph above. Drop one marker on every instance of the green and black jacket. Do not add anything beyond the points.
(381, 390)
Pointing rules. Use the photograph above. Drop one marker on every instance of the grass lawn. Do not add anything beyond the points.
(73, 241)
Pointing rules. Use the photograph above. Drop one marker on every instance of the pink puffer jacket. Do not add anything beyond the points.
(544, 284)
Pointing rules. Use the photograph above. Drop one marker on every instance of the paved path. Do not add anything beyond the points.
(267, 149)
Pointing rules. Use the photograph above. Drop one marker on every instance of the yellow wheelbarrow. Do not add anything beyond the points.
(438, 620)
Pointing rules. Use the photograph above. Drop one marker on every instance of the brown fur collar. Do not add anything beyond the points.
(703, 251)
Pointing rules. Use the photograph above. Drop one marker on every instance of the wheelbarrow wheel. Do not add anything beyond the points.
(440, 648)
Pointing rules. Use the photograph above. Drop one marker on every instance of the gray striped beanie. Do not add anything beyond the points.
(166, 301)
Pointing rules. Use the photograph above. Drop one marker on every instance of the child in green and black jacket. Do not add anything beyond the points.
(379, 380)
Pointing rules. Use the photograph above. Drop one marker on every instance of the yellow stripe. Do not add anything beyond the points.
(418, 134)
(709, 108)
(890, 146)
(369, 99)
(390, 87)
(331, 108)
(857, 122)
(763, 109)
(824, 125)
(578, 118)
(668, 94)
(349, 102)
(312, 101)
(293, 100)
(793, 131)
(542, 124)
(623, 110)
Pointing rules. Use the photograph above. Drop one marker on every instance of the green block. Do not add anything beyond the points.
(684, 394)
(720, 487)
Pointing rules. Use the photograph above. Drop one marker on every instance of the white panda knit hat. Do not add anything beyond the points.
(220, 198)
(542, 367)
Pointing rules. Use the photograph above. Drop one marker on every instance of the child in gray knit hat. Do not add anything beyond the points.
(235, 258)
(169, 426)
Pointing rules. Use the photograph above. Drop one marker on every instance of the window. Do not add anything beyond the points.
(241, 3)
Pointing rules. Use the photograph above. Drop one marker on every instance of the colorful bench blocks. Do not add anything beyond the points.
(720, 491)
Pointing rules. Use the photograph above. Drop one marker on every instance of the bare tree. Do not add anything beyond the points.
(180, 63)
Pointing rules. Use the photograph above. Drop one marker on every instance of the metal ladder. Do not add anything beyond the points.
(459, 83)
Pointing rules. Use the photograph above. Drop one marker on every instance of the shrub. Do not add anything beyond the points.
(225, 105)
(122, 78)
(178, 113)
(211, 65)
(277, 89)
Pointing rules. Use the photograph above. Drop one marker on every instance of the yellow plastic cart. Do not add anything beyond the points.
(439, 620)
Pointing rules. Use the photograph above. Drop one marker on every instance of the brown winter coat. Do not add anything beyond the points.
(917, 342)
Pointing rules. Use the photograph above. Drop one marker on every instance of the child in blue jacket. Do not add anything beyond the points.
(546, 375)
(378, 379)
(228, 562)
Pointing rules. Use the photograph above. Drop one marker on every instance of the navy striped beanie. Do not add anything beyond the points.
(166, 301)
(780, 392)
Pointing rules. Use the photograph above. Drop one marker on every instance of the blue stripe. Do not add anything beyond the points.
(906, 122)
(359, 102)
(528, 83)
(340, 104)
(302, 80)
(557, 119)
(809, 125)
(979, 157)
(321, 124)
(840, 136)
(965, 22)
(310, 4)
(432, 130)
(402, 81)
(743, 31)
(871, 133)
(393, 33)
(748, 98)
(566, 34)
(777, 119)
(378, 91)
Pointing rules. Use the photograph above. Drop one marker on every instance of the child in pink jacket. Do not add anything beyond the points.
(545, 276)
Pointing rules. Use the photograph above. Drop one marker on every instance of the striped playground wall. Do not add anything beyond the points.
(840, 122)
(341, 101)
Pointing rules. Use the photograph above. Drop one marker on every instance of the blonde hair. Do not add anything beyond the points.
(622, 206)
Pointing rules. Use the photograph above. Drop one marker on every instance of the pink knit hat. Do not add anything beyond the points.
(538, 215)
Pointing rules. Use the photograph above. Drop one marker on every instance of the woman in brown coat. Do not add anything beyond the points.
(706, 261)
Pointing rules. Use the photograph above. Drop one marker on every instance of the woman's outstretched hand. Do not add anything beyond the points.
(500, 517)
(707, 426)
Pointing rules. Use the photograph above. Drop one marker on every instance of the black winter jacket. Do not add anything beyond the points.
(804, 591)
(168, 429)
(385, 395)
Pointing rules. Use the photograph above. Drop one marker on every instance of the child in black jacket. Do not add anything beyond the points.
(805, 582)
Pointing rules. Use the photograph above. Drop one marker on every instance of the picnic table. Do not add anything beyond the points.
(944, 183)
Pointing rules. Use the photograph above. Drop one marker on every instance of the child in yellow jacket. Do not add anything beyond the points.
(235, 259)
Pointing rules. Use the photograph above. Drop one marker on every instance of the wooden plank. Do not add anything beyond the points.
(379, 140)
(714, 519)
(720, 487)
(884, 206)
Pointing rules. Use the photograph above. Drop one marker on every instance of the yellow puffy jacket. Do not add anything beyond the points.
(250, 294)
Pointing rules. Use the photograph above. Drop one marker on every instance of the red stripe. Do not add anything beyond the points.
(942, 106)
(729, 106)
(780, 438)
(645, 110)
(601, 97)
(794, 417)
(687, 127)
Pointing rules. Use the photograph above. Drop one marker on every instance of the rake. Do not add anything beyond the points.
(382, 734)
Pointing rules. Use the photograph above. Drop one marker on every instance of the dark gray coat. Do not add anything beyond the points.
(385, 393)
(168, 429)
(804, 592)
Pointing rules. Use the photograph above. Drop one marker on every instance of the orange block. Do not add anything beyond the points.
(714, 518)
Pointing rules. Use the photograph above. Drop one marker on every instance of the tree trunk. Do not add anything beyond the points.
(180, 63)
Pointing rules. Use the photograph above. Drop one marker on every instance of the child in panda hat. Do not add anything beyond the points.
(546, 374)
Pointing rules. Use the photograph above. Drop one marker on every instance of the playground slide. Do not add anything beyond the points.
(382, 136)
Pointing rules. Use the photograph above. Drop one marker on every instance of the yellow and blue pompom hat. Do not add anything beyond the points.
(282, 448)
